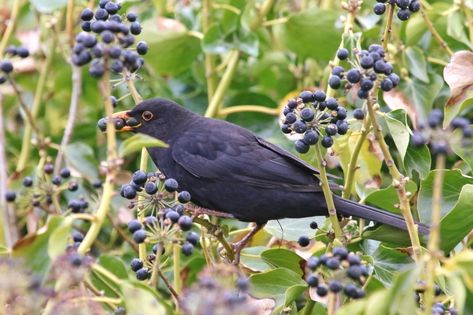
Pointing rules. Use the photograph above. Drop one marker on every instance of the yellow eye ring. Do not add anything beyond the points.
(147, 115)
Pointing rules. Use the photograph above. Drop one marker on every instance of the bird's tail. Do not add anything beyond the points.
(350, 208)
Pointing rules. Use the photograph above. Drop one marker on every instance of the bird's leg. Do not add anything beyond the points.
(237, 247)
(196, 211)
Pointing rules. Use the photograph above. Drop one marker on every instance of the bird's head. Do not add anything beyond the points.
(157, 117)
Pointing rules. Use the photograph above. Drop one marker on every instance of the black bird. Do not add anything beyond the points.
(229, 169)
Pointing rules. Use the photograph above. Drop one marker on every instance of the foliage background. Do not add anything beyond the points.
(254, 60)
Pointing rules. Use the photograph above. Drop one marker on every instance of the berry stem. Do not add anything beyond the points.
(263, 11)
(389, 26)
(132, 88)
(332, 303)
(112, 158)
(176, 255)
(399, 181)
(433, 31)
(434, 239)
(70, 22)
(143, 158)
(218, 234)
(38, 95)
(249, 108)
(74, 104)
(210, 60)
(15, 8)
(352, 165)
(7, 237)
(328, 193)
(216, 102)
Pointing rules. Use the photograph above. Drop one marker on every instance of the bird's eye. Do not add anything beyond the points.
(147, 115)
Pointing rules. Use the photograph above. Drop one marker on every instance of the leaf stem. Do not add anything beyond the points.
(176, 254)
(332, 303)
(248, 108)
(217, 99)
(433, 31)
(112, 164)
(215, 231)
(10, 27)
(328, 193)
(210, 60)
(399, 181)
(434, 239)
(353, 165)
(469, 20)
(262, 13)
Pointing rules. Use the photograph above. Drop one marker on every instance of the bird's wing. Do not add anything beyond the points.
(239, 156)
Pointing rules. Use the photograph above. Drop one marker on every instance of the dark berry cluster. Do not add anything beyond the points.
(370, 66)
(166, 221)
(339, 271)
(6, 66)
(441, 140)
(312, 116)
(40, 191)
(220, 289)
(107, 38)
(405, 7)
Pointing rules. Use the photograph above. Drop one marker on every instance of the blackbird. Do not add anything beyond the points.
(229, 169)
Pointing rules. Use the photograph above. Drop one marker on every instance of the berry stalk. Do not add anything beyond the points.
(434, 239)
(399, 180)
(388, 27)
(352, 165)
(328, 193)
(112, 158)
(433, 31)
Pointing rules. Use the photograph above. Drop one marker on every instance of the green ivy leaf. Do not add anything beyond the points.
(416, 63)
(80, 156)
(251, 258)
(456, 27)
(386, 261)
(418, 160)
(274, 284)
(137, 142)
(422, 94)
(177, 49)
(458, 222)
(33, 247)
(280, 257)
(387, 198)
(57, 243)
(292, 229)
(453, 182)
(313, 33)
(140, 301)
(399, 132)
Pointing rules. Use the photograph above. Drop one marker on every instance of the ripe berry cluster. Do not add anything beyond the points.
(441, 140)
(220, 289)
(107, 37)
(166, 220)
(39, 192)
(405, 7)
(311, 116)
(370, 65)
(339, 271)
(6, 66)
